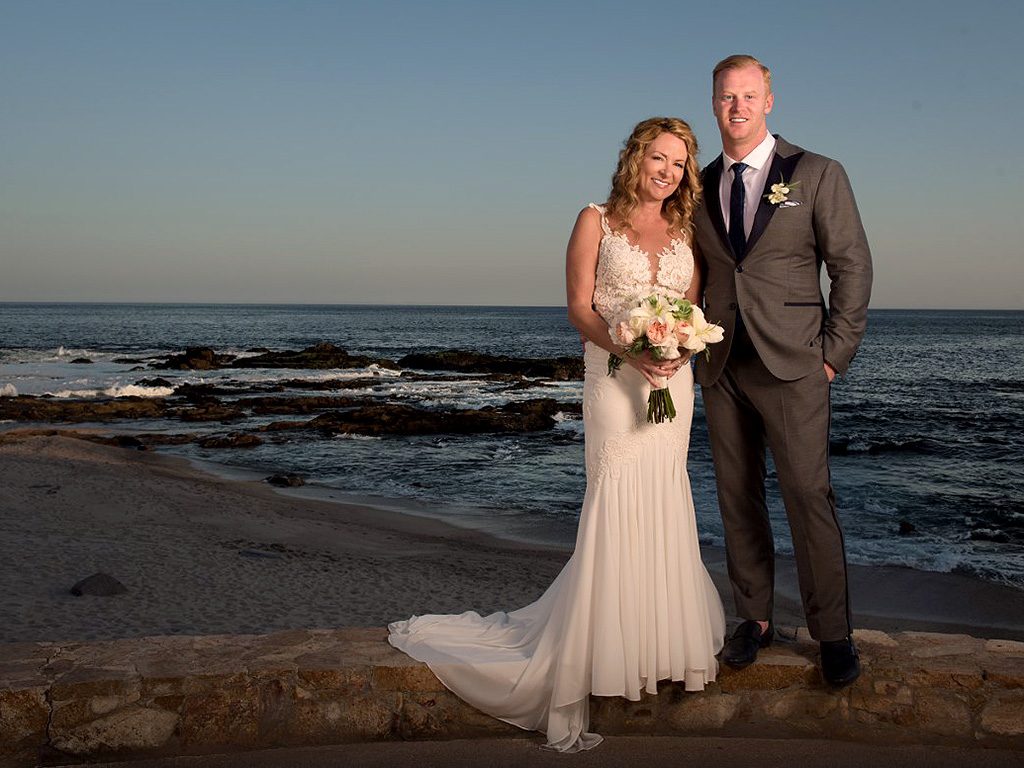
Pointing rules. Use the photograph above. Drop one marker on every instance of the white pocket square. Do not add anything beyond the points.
(789, 203)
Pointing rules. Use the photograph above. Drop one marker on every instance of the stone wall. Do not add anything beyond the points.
(61, 702)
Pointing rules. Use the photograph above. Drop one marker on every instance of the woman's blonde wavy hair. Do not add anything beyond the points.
(679, 208)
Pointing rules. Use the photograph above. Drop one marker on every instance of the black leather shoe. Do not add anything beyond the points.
(840, 663)
(741, 649)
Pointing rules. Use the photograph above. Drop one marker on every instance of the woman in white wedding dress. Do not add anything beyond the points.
(634, 604)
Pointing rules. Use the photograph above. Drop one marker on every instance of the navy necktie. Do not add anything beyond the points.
(736, 199)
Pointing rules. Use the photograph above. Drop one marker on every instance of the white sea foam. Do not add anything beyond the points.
(8, 390)
(67, 394)
(350, 436)
(116, 390)
(134, 390)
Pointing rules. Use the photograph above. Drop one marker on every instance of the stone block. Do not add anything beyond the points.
(867, 706)
(79, 703)
(892, 688)
(796, 704)
(1005, 647)
(129, 729)
(952, 648)
(417, 678)
(330, 720)
(771, 671)
(1004, 671)
(223, 713)
(335, 678)
(431, 715)
(944, 672)
(1004, 715)
(24, 714)
(946, 713)
(874, 638)
(702, 713)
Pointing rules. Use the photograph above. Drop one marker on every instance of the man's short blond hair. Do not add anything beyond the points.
(738, 61)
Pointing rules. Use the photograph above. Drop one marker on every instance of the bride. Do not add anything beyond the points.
(634, 604)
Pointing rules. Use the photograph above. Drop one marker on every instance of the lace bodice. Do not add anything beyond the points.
(624, 271)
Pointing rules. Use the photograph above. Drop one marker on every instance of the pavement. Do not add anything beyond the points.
(625, 751)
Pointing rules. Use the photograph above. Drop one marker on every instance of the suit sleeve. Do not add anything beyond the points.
(843, 247)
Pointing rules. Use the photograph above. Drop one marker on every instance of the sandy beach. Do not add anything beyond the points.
(202, 555)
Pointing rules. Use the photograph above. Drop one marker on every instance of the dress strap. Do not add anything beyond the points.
(604, 222)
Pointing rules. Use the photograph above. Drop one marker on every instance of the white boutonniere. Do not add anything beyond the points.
(779, 194)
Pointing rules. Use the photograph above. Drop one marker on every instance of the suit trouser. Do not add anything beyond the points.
(748, 409)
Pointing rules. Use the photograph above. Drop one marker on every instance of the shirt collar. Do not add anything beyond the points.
(756, 158)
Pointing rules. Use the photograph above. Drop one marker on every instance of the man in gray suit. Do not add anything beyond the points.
(773, 213)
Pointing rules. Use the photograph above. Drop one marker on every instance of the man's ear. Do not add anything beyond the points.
(769, 103)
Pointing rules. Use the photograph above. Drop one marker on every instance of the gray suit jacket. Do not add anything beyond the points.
(776, 287)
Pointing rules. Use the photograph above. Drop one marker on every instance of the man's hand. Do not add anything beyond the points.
(830, 372)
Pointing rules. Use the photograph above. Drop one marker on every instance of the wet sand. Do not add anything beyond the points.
(200, 554)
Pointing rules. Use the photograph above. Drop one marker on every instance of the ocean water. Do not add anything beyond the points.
(926, 429)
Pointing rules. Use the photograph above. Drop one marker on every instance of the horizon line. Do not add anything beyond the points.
(425, 305)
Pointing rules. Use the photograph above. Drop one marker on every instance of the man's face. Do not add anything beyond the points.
(741, 103)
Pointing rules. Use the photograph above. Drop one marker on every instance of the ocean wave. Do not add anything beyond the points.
(848, 446)
(73, 394)
(125, 390)
(507, 452)
(990, 534)
(348, 436)
(135, 390)
(8, 390)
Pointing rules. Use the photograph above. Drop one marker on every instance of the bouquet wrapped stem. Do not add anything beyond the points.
(660, 405)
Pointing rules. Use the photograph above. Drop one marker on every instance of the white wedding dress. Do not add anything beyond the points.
(634, 604)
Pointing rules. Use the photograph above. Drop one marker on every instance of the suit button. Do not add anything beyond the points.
(739, 268)
(732, 305)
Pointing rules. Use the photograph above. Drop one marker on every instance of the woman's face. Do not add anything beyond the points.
(662, 168)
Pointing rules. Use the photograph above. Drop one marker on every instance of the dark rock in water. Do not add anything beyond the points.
(257, 350)
(839, 447)
(557, 368)
(393, 419)
(195, 359)
(129, 441)
(99, 584)
(154, 382)
(127, 361)
(163, 438)
(286, 481)
(208, 412)
(319, 356)
(203, 393)
(990, 534)
(284, 405)
(81, 361)
(907, 528)
(28, 408)
(233, 440)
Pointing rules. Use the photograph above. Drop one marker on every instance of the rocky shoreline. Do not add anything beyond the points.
(236, 403)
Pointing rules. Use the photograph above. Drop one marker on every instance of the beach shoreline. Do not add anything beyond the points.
(201, 554)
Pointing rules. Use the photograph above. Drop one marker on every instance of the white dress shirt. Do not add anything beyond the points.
(760, 160)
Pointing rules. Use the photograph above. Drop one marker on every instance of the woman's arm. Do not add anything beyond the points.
(580, 277)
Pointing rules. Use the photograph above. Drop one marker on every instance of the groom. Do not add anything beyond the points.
(773, 213)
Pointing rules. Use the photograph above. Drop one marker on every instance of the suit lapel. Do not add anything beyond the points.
(713, 200)
(784, 162)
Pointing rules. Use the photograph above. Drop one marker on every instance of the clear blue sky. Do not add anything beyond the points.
(414, 152)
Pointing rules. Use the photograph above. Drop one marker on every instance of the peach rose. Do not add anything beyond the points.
(657, 332)
(625, 333)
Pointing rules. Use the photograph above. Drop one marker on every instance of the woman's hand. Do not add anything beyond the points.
(653, 369)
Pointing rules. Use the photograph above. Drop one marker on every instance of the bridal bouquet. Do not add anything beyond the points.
(662, 325)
